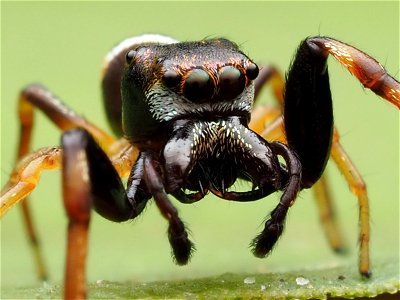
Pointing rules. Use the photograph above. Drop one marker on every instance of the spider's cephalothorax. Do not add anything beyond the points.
(196, 97)
(182, 111)
(164, 83)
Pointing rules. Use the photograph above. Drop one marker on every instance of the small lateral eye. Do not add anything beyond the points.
(252, 71)
(231, 82)
(129, 56)
(171, 79)
(198, 86)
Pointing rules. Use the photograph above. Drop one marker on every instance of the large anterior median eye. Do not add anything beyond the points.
(198, 86)
(231, 82)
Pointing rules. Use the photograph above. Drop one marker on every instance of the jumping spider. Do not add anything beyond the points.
(183, 112)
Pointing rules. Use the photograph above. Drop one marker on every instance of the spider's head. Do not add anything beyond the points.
(191, 80)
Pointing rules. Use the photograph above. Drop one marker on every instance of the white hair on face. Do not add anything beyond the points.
(164, 104)
(135, 40)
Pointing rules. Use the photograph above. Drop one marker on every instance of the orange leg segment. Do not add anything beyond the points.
(359, 189)
(327, 216)
(26, 175)
(123, 155)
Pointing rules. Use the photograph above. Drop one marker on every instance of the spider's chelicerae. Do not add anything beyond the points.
(183, 114)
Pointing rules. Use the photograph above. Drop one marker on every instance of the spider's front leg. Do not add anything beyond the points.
(308, 113)
(268, 122)
(90, 180)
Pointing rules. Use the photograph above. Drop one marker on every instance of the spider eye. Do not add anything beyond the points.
(129, 56)
(171, 79)
(252, 71)
(231, 82)
(198, 86)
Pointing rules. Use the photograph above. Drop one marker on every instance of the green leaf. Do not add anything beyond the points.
(341, 282)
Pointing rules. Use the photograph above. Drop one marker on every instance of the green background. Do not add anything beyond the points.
(62, 45)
